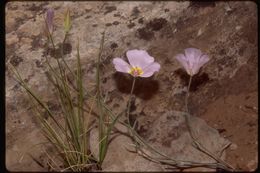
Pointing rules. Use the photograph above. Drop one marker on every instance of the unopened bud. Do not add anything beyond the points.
(49, 20)
(67, 22)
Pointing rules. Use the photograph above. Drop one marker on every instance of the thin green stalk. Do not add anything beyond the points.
(102, 134)
(50, 133)
(62, 55)
(49, 33)
(74, 119)
(188, 93)
(39, 101)
(69, 111)
(187, 115)
(84, 145)
(73, 149)
(104, 128)
(62, 71)
(192, 134)
(177, 163)
(129, 101)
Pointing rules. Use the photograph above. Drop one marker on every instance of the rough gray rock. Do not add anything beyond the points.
(227, 32)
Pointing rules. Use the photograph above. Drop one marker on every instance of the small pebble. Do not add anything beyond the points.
(238, 27)
(199, 32)
(233, 146)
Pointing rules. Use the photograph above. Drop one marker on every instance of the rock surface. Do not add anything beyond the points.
(224, 93)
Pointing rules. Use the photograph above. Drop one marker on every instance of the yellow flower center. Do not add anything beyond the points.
(136, 71)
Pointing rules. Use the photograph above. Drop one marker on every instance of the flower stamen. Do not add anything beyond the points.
(136, 71)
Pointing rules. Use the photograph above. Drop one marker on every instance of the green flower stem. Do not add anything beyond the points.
(62, 55)
(167, 160)
(193, 136)
(129, 101)
(188, 93)
(187, 115)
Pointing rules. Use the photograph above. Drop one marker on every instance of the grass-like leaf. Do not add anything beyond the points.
(69, 134)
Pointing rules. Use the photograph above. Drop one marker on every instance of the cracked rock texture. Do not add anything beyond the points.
(224, 93)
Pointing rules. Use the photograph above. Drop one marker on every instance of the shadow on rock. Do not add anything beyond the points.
(197, 80)
(145, 88)
(56, 53)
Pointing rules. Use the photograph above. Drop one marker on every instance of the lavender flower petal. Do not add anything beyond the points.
(203, 60)
(184, 62)
(192, 54)
(193, 60)
(139, 58)
(151, 69)
(121, 65)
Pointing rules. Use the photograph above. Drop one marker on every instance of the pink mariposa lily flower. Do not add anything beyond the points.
(141, 64)
(193, 60)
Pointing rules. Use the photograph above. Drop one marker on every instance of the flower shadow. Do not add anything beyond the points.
(145, 88)
(197, 80)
